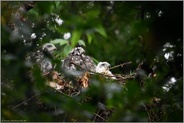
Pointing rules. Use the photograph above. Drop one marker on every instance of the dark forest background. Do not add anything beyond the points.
(146, 33)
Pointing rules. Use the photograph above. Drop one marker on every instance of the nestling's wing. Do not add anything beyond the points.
(76, 65)
(42, 57)
(45, 65)
(88, 64)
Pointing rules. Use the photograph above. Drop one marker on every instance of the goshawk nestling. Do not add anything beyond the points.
(103, 68)
(77, 63)
(43, 57)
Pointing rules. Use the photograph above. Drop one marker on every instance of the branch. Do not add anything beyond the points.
(20, 13)
(99, 117)
(24, 8)
(25, 101)
(121, 65)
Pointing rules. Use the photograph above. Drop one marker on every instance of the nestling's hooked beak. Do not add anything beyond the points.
(108, 66)
(54, 48)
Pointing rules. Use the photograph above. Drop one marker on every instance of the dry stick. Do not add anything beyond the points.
(154, 113)
(100, 116)
(23, 9)
(121, 65)
(96, 116)
(25, 101)
(62, 93)
(149, 117)
(20, 13)
(131, 76)
(37, 95)
(77, 93)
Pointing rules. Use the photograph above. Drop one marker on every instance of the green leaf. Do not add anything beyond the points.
(95, 60)
(67, 49)
(82, 42)
(93, 14)
(75, 37)
(101, 31)
(90, 37)
(59, 41)
(57, 3)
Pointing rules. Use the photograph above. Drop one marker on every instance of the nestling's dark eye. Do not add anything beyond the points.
(103, 64)
(49, 46)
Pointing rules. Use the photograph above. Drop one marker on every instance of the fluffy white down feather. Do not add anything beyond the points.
(103, 67)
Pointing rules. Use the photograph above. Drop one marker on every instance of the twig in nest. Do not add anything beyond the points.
(125, 77)
(99, 117)
(75, 94)
(120, 65)
(149, 117)
(95, 116)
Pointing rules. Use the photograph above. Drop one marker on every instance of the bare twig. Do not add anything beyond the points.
(25, 101)
(149, 117)
(99, 116)
(124, 77)
(95, 117)
(20, 13)
(121, 65)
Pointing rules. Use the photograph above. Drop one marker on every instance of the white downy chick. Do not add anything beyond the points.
(103, 67)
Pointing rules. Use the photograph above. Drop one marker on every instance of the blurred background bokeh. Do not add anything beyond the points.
(116, 32)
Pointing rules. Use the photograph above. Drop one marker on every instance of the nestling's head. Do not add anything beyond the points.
(49, 48)
(102, 67)
(77, 51)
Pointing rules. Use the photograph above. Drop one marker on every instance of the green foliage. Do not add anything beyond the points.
(59, 41)
(101, 31)
(67, 49)
(76, 34)
(115, 32)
